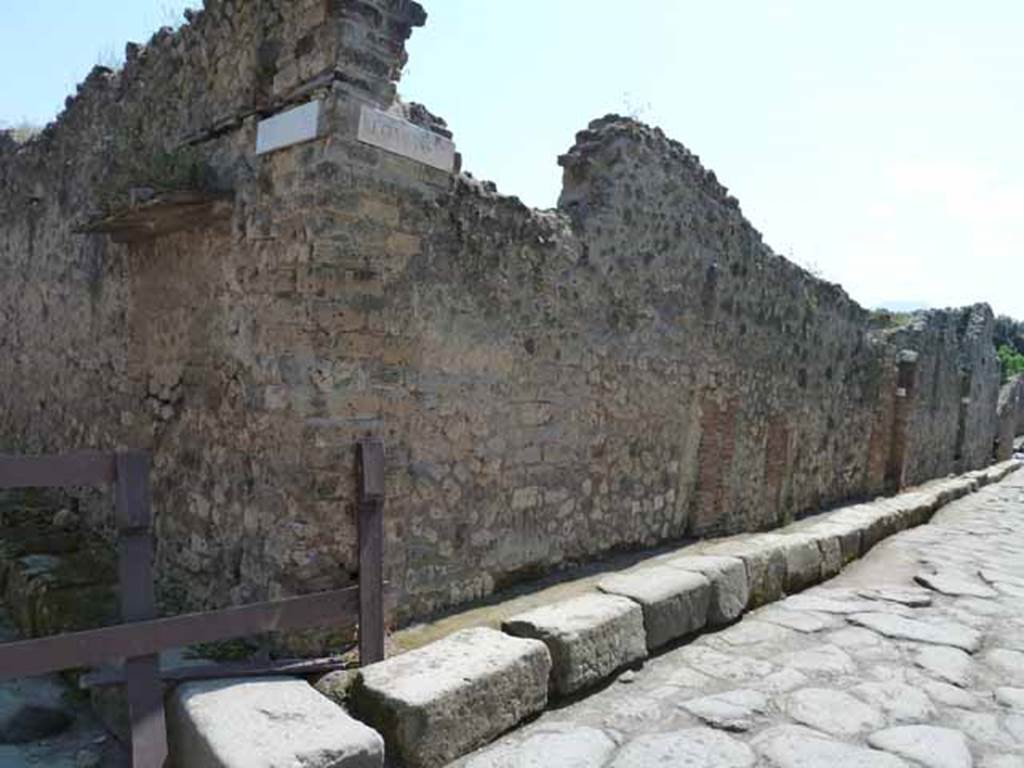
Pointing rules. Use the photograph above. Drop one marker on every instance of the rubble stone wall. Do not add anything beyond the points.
(634, 367)
(1010, 415)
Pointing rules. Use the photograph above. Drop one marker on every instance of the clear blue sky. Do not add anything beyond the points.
(880, 142)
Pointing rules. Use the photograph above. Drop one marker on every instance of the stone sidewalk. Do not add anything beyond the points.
(912, 656)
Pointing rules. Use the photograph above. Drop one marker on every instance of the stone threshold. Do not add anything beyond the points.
(491, 668)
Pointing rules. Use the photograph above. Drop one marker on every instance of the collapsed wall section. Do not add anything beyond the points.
(634, 367)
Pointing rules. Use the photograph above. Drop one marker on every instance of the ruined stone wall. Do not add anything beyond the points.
(634, 367)
(954, 392)
(1010, 415)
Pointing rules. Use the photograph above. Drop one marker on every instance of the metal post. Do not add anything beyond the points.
(370, 462)
(135, 564)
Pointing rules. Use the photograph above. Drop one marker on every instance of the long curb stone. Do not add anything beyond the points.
(589, 637)
(441, 701)
(263, 722)
(730, 589)
(766, 566)
(675, 602)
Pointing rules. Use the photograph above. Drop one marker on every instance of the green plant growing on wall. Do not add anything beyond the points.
(1012, 361)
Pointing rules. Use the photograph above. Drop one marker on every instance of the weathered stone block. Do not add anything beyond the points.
(265, 723)
(589, 637)
(846, 535)
(445, 699)
(831, 552)
(803, 560)
(765, 563)
(872, 522)
(730, 591)
(675, 602)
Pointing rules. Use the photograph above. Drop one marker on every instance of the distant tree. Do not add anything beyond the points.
(1009, 333)
(1012, 361)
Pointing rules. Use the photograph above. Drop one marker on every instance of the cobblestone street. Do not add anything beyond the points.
(912, 656)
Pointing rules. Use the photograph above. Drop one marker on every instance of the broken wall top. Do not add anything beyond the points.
(147, 124)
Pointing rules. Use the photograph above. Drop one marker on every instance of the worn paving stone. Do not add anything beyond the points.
(693, 748)
(949, 695)
(736, 668)
(901, 703)
(950, 664)
(674, 602)
(1014, 724)
(823, 602)
(985, 728)
(833, 712)
(752, 632)
(731, 710)
(827, 659)
(993, 760)
(931, 746)
(730, 591)
(936, 632)
(552, 745)
(589, 637)
(1010, 697)
(793, 746)
(783, 681)
(953, 583)
(994, 576)
(909, 596)
(1006, 662)
(863, 644)
(801, 621)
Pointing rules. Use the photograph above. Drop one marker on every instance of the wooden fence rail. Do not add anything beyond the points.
(142, 636)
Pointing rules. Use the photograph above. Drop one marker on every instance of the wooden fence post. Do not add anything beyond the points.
(135, 565)
(370, 462)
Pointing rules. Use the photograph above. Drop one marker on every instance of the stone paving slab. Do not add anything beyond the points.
(870, 668)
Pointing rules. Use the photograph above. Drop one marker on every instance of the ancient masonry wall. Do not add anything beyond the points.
(1010, 415)
(634, 367)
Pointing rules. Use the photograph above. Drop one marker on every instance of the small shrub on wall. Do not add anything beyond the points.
(1012, 360)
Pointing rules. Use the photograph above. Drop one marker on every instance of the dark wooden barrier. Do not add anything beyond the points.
(142, 636)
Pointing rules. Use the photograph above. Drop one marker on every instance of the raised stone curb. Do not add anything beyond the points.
(445, 699)
(589, 638)
(448, 698)
(264, 722)
(675, 602)
(766, 566)
(730, 590)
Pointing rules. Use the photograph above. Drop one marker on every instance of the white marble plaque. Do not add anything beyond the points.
(403, 138)
(293, 126)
